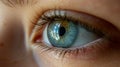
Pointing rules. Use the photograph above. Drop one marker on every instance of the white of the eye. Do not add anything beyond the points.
(84, 37)
(45, 37)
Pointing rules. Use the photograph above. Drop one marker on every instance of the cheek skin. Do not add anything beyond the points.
(109, 57)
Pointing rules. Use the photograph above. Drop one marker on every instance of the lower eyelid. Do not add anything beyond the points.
(90, 52)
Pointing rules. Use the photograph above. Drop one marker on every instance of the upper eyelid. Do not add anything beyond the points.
(97, 22)
(83, 17)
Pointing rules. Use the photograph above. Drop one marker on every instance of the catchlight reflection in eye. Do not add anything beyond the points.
(67, 33)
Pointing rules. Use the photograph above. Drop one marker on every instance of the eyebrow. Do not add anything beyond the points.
(14, 3)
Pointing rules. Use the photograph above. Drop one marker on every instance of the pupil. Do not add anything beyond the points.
(62, 31)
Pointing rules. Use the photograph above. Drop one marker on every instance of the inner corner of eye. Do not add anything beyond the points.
(38, 37)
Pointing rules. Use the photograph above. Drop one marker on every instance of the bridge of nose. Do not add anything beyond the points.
(12, 41)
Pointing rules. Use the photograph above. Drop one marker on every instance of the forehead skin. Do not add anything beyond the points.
(13, 3)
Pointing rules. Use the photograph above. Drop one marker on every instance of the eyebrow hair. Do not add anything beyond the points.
(14, 3)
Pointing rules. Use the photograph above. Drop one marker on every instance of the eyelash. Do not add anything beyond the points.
(61, 51)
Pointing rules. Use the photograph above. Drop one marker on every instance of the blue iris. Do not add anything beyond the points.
(62, 33)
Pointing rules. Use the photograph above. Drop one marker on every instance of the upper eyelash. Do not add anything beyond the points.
(45, 18)
(57, 14)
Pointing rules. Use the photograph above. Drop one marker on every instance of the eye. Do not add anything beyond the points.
(67, 33)
(63, 29)
(63, 33)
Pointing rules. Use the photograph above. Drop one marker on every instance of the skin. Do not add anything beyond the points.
(16, 49)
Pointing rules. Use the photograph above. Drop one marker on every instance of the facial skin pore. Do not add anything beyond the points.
(16, 49)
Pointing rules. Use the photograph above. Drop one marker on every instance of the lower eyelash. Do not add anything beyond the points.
(99, 45)
(60, 52)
